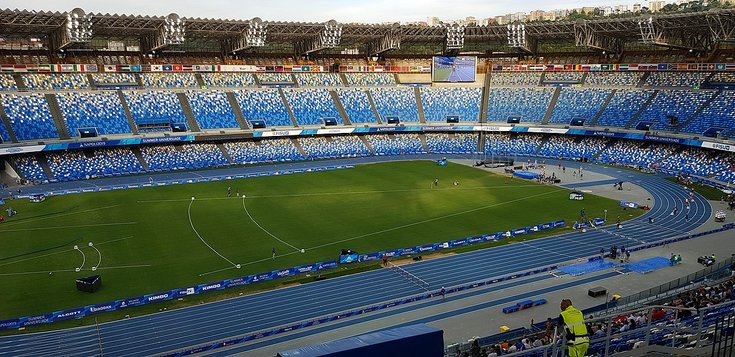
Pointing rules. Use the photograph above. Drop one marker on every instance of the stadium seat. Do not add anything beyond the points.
(613, 79)
(75, 165)
(624, 104)
(264, 104)
(515, 78)
(168, 80)
(460, 143)
(254, 152)
(370, 79)
(185, 157)
(7, 83)
(30, 168)
(55, 81)
(719, 113)
(29, 116)
(154, 110)
(670, 103)
(101, 110)
(318, 80)
(438, 103)
(528, 103)
(228, 80)
(211, 109)
(309, 106)
(320, 147)
(399, 144)
(583, 103)
(676, 79)
(396, 101)
(357, 105)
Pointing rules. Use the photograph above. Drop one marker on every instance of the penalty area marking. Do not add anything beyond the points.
(63, 251)
(94, 268)
(205, 242)
(84, 258)
(265, 230)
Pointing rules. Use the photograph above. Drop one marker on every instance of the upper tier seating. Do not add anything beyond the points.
(624, 104)
(212, 109)
(722, 77)
(101, 109)
(507, 145)
(114, 78)
(440, 102)
(76, 165)
(460, 143)
(7, 82)
(676, 79)
(318, 80)
(272, 150)
(396, 101)
(583, 103)
(528, 103)
(311, 106)
(370, 79)
(29, 116)
(186, 157)
(154, 107)
(574, 77)
(515, 78)
(627, 79)
(320, 147)
(29, 168)
(168, 80)
(357, 105)
(399, 144)
(719, 113)
(55, 81)
(275, 78)
(673, 103)
(263, 104)
(228, 80)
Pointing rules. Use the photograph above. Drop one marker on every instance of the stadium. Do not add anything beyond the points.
(177, 186)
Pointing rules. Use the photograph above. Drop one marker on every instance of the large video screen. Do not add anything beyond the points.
(453, 69)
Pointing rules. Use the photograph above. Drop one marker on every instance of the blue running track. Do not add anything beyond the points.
(187, 327)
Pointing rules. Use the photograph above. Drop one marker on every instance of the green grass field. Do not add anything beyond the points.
(147, 243)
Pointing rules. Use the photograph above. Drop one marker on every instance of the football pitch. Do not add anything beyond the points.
(146, 240)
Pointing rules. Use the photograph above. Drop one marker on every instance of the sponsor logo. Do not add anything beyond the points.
(305, 269)
(68, 314)
(426, 248)
(101, 308)
(721, 147)
(210, 287)
(158, 297)
(92, 144)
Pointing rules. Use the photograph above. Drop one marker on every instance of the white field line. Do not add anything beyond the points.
(263, 229)
(63, 251)
(202, 239)
(68, 227)
(59, 215)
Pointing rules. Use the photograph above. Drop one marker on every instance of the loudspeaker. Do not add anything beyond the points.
(392, 119)
(88, 132)
(257, 124)
(178, 127)
(89, 284)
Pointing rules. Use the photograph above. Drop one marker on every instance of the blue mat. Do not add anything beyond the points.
(526, 175)
(648, 265)
(586, 267)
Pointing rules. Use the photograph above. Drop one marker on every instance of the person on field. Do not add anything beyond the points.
(571, 321)
(273, 253)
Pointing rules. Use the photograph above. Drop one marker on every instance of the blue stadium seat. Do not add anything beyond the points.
(515, 78)
(676, 79)
(505, 145)
(616, 79)
(357, 105)
(566, 76)
(528, 103)
(7, 82)
(55, 81)
(396, 101)
(266, 78)
(30, 168)
(211, 109)
(75, 165)
(101, 109)
(460, 143)
(154, 107)
(462, 101)
(271, 150)
(265, 104)
(583, 103)
(185, 157)
(624, 104)
(320, 147)
(370, 79)
(29, 116)
(673, 103)
(310, 106)
(719, 113)
(168, 80)
(570, 147)
(399, 144)
(114, 78)
(228, 80)
(318, 80)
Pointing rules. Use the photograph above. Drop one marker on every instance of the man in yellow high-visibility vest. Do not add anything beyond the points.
(572, 321)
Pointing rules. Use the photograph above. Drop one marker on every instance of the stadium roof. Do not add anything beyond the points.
(696, 30)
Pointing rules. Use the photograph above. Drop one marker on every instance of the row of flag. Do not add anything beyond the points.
(620, 67)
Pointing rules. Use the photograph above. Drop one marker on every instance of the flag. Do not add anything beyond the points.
(187, 68)
(135, 68)
(296, 69)
(156, 68)
(168, 68)
(110, 68)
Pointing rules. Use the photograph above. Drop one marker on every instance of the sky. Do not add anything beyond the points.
(368, 11)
